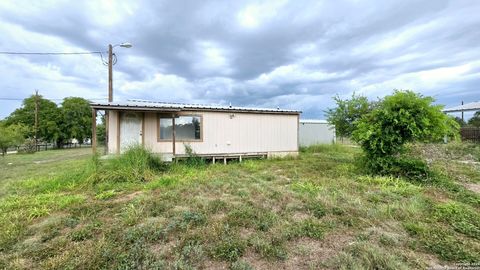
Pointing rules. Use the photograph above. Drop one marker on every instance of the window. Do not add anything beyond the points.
(187, 128)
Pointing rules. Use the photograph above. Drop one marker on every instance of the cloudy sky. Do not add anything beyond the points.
(292, 54)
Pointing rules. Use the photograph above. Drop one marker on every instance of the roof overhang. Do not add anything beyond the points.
(177, 107)
(472, 106)
(132, 108)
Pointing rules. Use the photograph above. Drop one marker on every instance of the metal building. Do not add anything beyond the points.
(210, 131)
(313, 132)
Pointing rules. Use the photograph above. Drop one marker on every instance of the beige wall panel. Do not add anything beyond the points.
(223, 134)
(112, 131)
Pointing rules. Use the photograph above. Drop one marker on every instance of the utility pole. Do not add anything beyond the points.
(36, 119)
(462, 112)
(110, 73)
(110, 93)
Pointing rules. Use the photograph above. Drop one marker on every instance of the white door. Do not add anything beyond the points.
(130, 129)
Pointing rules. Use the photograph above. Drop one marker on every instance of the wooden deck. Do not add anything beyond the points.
(214, 158)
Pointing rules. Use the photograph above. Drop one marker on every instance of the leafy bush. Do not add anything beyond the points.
(345, 116)
(11, 135)
(398, 119)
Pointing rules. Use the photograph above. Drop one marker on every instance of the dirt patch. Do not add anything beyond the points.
(258, 263)
(215, 265)
(299, 216)
(164, 250)
(472, 187)
(436, 195)
(245, 233)
(49, 221)
(127, 197)
(304, 253)
(307, 253)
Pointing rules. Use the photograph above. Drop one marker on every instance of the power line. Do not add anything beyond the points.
(21, 99)
(51, 53)
(64, 53)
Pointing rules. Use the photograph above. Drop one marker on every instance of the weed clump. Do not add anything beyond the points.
(137, 164)
(461, 218)
(193, 159)
(230, 248)
(442, 242)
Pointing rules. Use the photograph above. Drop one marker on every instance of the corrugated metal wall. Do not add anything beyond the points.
(312, 133)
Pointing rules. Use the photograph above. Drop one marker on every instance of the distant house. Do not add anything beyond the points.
(211, 131)
(316, 132)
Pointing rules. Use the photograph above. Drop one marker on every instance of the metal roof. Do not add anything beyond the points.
(170, 106)
(313, 121)
(472, 106)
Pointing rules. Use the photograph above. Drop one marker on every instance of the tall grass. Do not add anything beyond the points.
(137, 164)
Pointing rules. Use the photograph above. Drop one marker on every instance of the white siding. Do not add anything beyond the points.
(316, 133)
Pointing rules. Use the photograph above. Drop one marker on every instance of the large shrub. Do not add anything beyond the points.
(347, 112)
(398, 119)
(11, 135)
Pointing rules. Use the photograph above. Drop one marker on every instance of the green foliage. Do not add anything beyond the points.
(345, 116)
(398, 119)
(48, 118)
(475, 120)
(101, 131)
(11, 135)
(77, 118)
(192, 158)
(72, 120)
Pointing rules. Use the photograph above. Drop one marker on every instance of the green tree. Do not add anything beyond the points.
(345, 116)
(101, 131)
(475, 120)
(400, 118)
(11, 135)
(48, 118)
(77, 119)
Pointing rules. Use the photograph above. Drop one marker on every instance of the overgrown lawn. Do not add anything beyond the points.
(65, 210)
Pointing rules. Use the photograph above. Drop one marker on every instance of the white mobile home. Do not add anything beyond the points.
(211, 131)
(316, 132)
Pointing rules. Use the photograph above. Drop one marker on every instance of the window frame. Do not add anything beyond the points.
(177, 115)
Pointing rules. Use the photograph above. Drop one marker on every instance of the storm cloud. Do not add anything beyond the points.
(291, 54)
